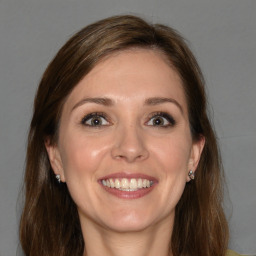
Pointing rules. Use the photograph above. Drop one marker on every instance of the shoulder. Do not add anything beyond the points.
(232, 253)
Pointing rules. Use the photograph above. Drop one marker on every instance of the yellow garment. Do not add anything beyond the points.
(232, 253)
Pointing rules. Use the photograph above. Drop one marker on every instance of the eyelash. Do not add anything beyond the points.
(100, 115)
(169, 118)
(94, 115)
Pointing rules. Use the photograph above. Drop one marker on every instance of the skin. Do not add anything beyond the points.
(127, 141)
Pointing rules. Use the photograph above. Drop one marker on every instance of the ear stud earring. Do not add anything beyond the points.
(191, 175)
(58, 178)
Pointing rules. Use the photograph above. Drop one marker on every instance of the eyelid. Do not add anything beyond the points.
(94, 114)
(165, 115)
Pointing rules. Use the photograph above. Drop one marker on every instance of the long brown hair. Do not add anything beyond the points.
(49, 223)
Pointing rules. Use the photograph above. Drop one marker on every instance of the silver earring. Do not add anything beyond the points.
(191, 175)
(58, 178)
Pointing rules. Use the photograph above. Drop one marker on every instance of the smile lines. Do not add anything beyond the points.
(125, 184)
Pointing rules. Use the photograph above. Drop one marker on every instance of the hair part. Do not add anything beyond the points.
(49, 223)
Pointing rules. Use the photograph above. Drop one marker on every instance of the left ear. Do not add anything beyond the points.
(196, 151)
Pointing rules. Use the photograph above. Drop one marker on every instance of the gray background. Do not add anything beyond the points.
(222, 35)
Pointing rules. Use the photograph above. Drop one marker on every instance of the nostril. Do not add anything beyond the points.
(130, 157)
(129, 146)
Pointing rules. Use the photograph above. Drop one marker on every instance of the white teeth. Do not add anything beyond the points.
(124, 183)
(127, 184)
(117, 183)
(139, 184)
(133, 183)
(112, 183)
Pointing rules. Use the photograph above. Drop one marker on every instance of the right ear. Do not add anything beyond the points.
(55, 158)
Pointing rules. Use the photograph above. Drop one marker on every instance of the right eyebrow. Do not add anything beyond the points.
(100, 101)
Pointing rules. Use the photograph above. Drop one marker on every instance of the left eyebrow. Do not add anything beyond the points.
(161, 100)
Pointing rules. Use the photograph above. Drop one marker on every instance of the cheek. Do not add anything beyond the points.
(174, 154)
(173, 157)
(81, 156)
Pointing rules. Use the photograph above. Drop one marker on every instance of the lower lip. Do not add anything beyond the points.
(129, 194)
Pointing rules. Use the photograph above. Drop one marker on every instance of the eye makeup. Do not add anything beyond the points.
(95, 119)
(161, 119)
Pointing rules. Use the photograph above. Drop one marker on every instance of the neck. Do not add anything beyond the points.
(151, 241)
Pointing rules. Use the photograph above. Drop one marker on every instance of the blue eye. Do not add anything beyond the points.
(95, 119)
(161, 120)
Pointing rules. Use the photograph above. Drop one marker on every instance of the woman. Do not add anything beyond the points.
(122, 158)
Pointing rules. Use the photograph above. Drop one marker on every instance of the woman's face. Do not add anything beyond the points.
(125, 147)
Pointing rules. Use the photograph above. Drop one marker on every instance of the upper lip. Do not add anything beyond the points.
(121, 175)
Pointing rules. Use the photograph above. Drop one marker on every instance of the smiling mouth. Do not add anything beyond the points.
(125, 184)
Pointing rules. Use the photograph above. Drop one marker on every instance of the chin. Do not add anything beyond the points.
(126, 221)
(134, 225)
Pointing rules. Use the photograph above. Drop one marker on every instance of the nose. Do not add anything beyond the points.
(129, 145)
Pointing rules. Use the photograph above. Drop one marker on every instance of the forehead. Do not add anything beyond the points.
(132, 74)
